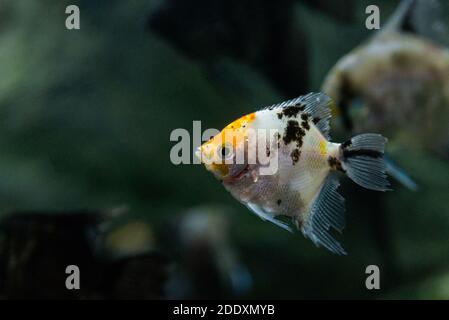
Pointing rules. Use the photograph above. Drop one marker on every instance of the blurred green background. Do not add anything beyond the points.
(86, 116)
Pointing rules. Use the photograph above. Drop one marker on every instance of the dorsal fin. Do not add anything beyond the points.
(424, 18)
(398, 18)
(314, 104)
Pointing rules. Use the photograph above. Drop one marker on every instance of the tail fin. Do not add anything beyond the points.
(362, 160)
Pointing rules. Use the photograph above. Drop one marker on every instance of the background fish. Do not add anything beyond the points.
(304, 186)
(397, 83)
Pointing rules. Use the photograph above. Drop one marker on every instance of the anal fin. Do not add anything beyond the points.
(325, 211)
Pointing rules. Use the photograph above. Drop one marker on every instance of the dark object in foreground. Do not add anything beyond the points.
(36, 248)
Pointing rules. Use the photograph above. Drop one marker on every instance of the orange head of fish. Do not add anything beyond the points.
(219, 153)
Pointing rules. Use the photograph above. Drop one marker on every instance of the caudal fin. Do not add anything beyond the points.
(363, 161)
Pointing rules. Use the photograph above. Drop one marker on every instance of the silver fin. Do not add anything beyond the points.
(362, 160)
(326, 211)
(395, 22)
(268, 217)
(400, 175)
(316, 105)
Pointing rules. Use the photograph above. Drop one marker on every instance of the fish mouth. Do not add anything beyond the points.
(218, 168)
(242, 172)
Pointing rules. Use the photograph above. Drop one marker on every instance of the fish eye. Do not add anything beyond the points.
(225, 151)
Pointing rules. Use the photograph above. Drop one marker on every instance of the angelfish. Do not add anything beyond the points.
(304, 185)
(397, 83)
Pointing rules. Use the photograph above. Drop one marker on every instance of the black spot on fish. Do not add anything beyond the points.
(305, 121)
(280, 115)
(292, 111)
(295, 155)
(346, 144)
(334, 163)
(277, 136)
(305, 125)
(293, 132)
(316, 120)
(279, 202)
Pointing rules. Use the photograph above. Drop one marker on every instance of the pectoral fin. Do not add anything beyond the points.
(265, 216)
